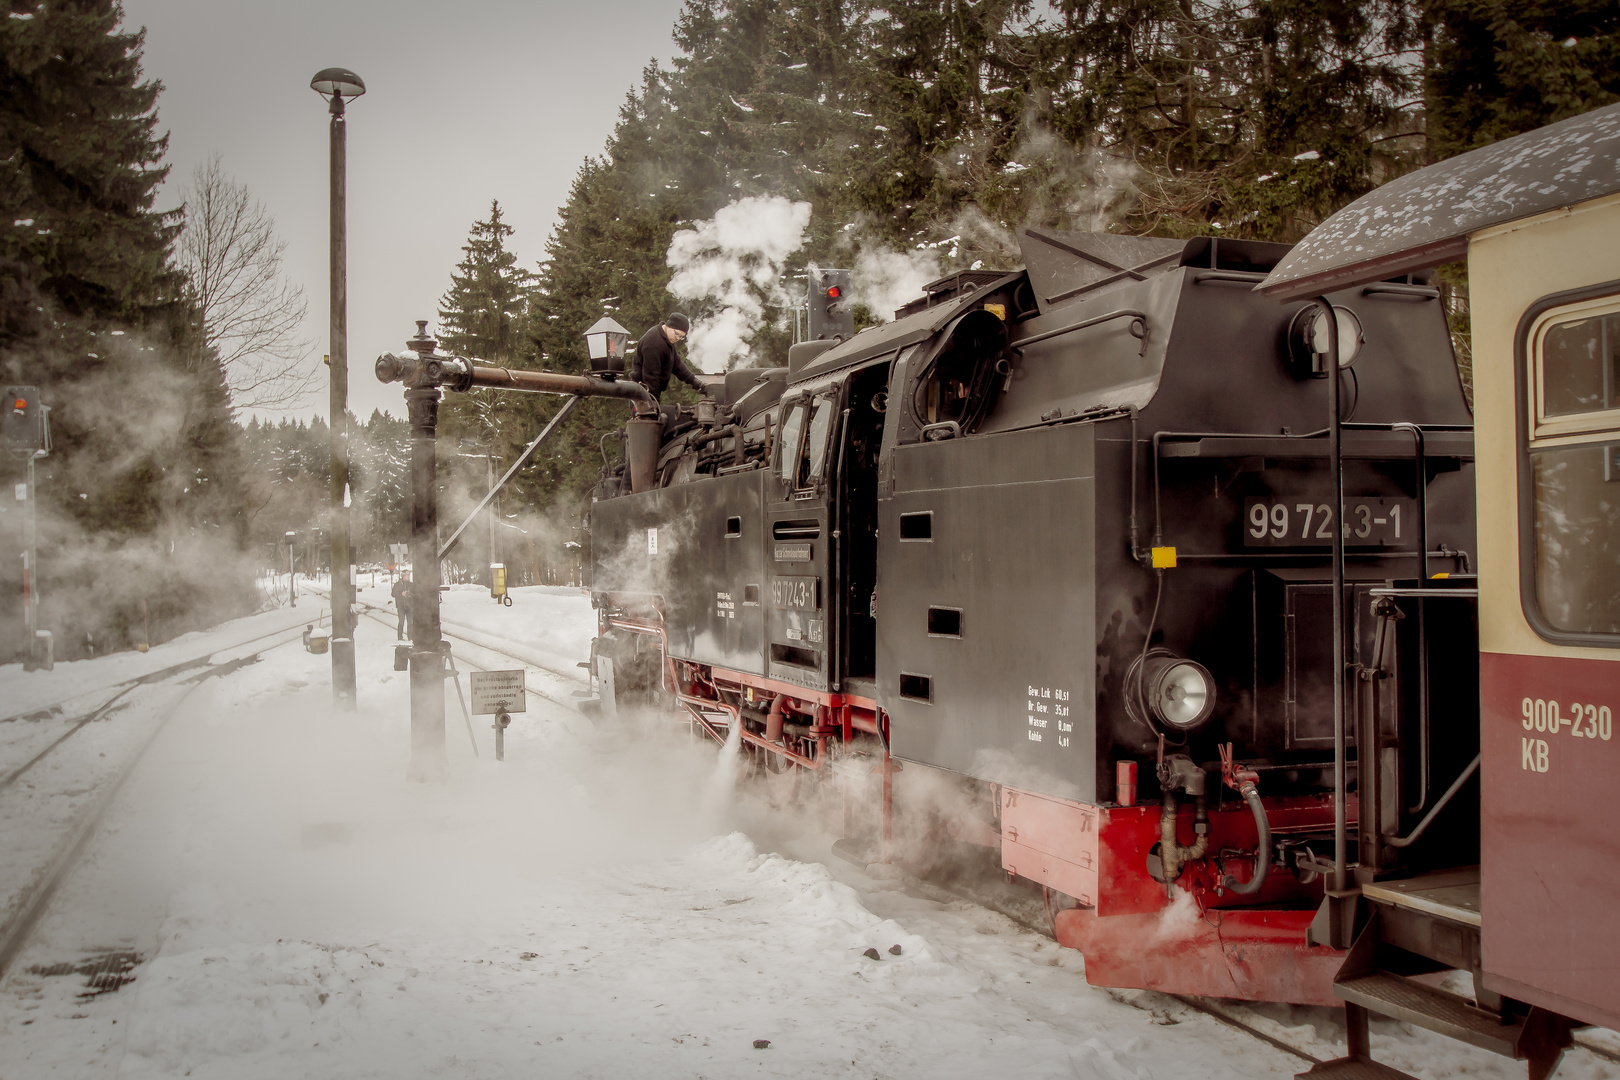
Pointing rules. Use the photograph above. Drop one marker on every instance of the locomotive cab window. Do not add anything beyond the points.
(964, 380)
(1570, 540)
(787, 447)
(802, 451)
(814, 462)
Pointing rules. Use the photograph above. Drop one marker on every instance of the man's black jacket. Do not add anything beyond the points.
(656, 360)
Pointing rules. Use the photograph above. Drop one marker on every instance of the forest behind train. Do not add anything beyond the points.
(162, 331)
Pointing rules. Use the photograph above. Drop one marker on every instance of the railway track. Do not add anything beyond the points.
(1233, 1014)
(483, 651)
(562, 695)
(30, 897)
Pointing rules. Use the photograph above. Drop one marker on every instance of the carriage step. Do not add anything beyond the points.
(1353, 1069)
(1427, 1007)
(861, 855)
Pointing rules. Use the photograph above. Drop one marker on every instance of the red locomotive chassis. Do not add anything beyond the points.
(1550, 855)
(1133, 935)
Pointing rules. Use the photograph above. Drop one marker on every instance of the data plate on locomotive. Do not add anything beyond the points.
(803, 593)
(1287, 521)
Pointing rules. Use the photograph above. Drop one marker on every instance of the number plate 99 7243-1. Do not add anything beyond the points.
(1281, 521)
(803, 593)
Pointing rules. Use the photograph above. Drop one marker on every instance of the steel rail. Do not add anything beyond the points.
(125, 685)
(14, 935)
(154, 678)
(371, 611)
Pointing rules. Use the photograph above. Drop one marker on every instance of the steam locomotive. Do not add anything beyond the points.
(1176, 584)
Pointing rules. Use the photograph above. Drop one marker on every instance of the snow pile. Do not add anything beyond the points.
(601, 904)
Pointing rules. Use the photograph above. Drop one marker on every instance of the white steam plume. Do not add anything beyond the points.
(732, 266)
(884, 279)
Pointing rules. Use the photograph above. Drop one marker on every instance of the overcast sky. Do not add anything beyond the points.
(465, 102)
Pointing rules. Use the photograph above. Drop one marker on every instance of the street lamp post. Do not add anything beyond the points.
(292, 586)
(336, 84)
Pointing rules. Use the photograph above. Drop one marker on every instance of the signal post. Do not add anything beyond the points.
(28, 433)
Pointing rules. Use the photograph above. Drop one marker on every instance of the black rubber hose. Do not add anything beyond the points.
(1262, 855)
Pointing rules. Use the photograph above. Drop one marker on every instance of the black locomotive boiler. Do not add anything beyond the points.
(1067, 533)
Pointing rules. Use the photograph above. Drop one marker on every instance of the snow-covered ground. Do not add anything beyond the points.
(601, 904)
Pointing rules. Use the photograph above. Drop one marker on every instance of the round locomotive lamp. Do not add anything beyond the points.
(607, 342)
(1180, 693)
(1308, 339)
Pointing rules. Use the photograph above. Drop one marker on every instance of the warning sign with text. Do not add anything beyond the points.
(493, 691)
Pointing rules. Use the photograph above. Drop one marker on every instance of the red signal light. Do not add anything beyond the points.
(21, 404)
(834, 293)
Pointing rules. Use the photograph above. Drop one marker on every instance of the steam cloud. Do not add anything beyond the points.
(883, 279)
(733, 266)
(101, 588)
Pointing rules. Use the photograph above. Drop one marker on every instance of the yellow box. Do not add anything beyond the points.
(1164, 558)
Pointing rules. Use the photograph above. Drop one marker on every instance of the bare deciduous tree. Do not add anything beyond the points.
(251, 313)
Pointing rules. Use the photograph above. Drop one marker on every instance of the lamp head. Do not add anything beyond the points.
(336, 84)
(607, 343)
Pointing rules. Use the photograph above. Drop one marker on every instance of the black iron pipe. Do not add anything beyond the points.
(428, 760)
(1336, 463)
(551, 382)
(462, 374)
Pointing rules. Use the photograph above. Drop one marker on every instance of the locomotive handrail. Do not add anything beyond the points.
(1440, 804)
(1395, 288)
(1139, 329)
(951, 427)
(1244, 277)
(1308, 444)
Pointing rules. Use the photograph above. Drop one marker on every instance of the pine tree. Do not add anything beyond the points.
(80, 161)
(1497, 68)
(145, 479)
(479, 314)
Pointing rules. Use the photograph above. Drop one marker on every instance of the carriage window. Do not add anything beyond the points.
(1577, 518)
(815, 447)
(787, 447)
(1574, 450)
(1578, 366)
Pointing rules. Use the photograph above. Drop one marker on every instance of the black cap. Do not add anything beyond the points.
(677, 321)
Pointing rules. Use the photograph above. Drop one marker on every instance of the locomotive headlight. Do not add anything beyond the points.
(1180, 693)
(1308, 339)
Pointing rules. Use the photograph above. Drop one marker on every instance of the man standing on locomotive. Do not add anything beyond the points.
(657, 360)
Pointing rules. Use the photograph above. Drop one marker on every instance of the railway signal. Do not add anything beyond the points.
(832, 313)
(25, 427)
(27, 433)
